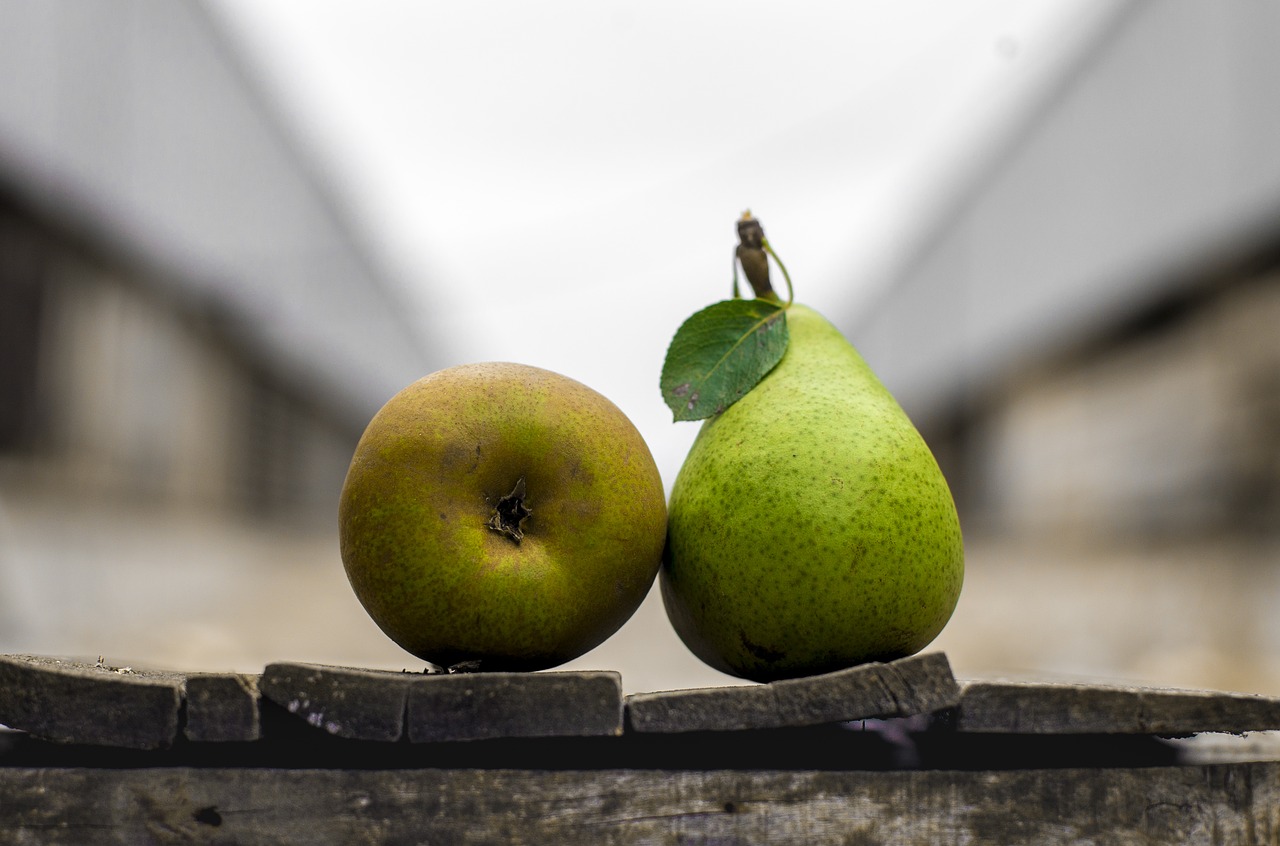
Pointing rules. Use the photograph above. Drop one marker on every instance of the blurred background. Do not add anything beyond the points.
(230, 230)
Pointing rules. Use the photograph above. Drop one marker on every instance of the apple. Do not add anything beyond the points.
(498, 516)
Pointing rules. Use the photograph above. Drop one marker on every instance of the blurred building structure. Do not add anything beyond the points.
(184, 313)
(1086, 335)
(1086, 332)
(192, 338)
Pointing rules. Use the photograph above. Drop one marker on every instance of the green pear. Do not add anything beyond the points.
(810, 528)
(501, 517)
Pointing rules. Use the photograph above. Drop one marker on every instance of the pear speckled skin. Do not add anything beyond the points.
(424, 483)
(810, 528)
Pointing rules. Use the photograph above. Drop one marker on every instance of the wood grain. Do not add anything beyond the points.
(920, 684)
(72, 701)
(222, 708)
(1044, 708)
(476, 706)
(1217, 805)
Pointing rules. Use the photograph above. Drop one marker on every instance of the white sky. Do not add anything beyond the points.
(557, 183)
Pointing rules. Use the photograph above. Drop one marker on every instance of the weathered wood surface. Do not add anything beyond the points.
(1212, 805)
(346, 702)
(222, 708)
(315, 759)
(475, 706)
(79, 702)
(1040, 708)
(386, 706)
(921, 684)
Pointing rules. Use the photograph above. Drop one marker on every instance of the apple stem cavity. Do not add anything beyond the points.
(510, 513)
(753, 253)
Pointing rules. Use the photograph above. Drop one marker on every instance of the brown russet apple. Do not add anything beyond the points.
(498, 516)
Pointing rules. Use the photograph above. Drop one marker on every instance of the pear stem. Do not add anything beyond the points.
(753, 252)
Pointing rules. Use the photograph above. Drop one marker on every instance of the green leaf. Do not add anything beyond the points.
(720, 353)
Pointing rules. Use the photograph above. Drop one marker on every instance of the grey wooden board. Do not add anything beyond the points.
(475, 706)
(1210, 805)
(385, 706)
(920, 684)
(71, 701)
(222, 707)
(1048, 708)
(346, 702)
(76, 702)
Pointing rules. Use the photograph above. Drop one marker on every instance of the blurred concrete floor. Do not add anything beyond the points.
(186, 590)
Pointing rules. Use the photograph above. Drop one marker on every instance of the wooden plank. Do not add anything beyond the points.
(702, 709)
(222, 707)
(1209, 805)
(75, 702)
(346, 702)
(475, 706)
(70, 701)
(385, 706)
(920, 684)
(1049, 708)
